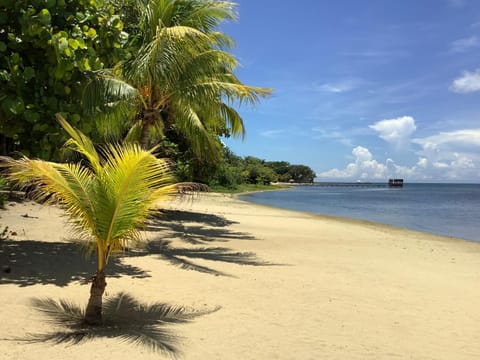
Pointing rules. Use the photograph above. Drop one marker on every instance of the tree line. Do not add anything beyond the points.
(235, 170)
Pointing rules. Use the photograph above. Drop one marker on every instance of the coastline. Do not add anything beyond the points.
(314, 286)
(452, 221)
(360, 222)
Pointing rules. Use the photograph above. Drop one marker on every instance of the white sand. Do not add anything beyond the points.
(339, 289)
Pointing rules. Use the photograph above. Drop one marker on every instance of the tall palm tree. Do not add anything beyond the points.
(181, 77)
(107, 196)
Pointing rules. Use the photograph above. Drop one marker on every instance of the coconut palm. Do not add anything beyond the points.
(181, 77)
(107, 196)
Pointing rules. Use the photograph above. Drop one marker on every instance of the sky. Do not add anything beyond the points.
(363, 90)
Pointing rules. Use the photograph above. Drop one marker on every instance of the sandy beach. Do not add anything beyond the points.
(287, 285)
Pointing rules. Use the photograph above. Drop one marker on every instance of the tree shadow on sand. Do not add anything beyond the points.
(197, 229)
(123, 317)
(182, 257)
(194, 228)
(30, 262)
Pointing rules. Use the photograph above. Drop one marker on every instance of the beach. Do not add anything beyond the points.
(278, 284)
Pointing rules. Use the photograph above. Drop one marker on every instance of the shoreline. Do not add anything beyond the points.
(360, 221)
(305, 286)
(353, 219)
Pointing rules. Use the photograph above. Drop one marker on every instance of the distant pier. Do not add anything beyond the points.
(351, 184)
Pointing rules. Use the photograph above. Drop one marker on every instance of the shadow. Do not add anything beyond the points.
(197, 229)
(190, 216)
(30, 262)
(194, 228)
(181, 257)
(123, 317)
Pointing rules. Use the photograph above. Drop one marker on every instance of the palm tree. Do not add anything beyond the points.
(181, 77)
(107, 196)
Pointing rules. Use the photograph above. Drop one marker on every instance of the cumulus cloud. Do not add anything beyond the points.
(451, 140)
(467, 83)
(452, 155)
(364, 167)
(395, 131)
(447, 156)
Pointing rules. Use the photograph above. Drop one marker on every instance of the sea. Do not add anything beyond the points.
(442, 209)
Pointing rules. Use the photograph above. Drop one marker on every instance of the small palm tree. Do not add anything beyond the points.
(107, 196)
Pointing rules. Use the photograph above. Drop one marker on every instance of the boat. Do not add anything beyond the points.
(395, 183)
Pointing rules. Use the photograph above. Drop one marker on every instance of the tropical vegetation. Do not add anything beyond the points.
(180, 84)
(107, 196)
(233, 172)
(46, 49)
(156, 76)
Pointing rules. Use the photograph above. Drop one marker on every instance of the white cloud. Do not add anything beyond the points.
(451, 140)
(465, 44)
(395, 131)
(467, 83)
(447, 156)
(452, 155)
(364, 167)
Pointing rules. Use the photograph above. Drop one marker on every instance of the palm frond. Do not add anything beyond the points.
(80, 143)
(112, 102)
(234, 121)
(201, 140)
(125, 194)
(221, 40)
(208, 15)
(71, 184)
(134, 133)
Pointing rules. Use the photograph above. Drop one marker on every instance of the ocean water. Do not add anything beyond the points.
(443, 209)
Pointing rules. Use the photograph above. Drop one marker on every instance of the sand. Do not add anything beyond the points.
(289, 285)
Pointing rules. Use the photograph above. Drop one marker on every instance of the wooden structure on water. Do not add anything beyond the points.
(391, 183)
(395, 183)
(349, 184)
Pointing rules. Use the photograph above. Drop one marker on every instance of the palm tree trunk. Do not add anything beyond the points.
(93, 314)
(145, 136)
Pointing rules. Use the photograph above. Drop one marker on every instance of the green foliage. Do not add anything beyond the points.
(181, 81)
(233, 172)
(244, 188)
(299, 174)
(108, 196)
(46, 48)
(260, 174)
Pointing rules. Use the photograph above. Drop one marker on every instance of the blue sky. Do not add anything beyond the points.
(363, 90)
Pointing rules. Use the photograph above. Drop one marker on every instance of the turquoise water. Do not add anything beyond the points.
(443, 209)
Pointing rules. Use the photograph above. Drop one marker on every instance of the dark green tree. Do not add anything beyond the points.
(301, 174)
(46, 48)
